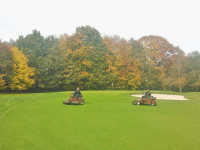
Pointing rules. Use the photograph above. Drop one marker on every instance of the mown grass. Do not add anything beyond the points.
(107, 120)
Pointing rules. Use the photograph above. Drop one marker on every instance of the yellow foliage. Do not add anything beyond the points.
(122, 66)
(83, 74)
(87, 63)
(69, 51)
(21, 72)
(2, 82)
(180, 81)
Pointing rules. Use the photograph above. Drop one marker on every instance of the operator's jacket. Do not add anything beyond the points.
(77, 93)
(147, 94)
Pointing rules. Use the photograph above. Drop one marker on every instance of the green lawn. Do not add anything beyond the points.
(107, 120)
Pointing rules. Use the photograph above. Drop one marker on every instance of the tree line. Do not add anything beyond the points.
(92, 62)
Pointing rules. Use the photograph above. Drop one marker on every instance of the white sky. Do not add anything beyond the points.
(176, 20)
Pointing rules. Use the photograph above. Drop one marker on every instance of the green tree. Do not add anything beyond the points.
(32, 46)
(11, 43)
(46, 56)
(90, 36)
(50, 65)
(96, 55)
(193, 71)
(137, 49)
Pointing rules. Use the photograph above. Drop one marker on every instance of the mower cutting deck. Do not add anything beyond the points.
(74, 100)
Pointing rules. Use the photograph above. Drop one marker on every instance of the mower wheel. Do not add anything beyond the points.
(81, 102)
(134, 102)
(138, 102)
(154, 104)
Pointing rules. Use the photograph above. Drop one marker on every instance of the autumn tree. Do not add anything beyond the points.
(160, 56)
(177, 71)
(87, 60)
(79, 59)
(2, 82)
(167, 82)
(77, 65)
(21, 74)
(159, 50)
(6, 65)
(121, 65)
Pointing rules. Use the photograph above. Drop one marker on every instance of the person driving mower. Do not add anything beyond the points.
(77, 93)
(147, 94)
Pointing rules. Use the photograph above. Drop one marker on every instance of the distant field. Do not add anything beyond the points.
(107, 120)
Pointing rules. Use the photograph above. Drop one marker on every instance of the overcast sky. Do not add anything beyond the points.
(176, 20)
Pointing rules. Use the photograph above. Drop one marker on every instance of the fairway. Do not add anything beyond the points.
(107, 120)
